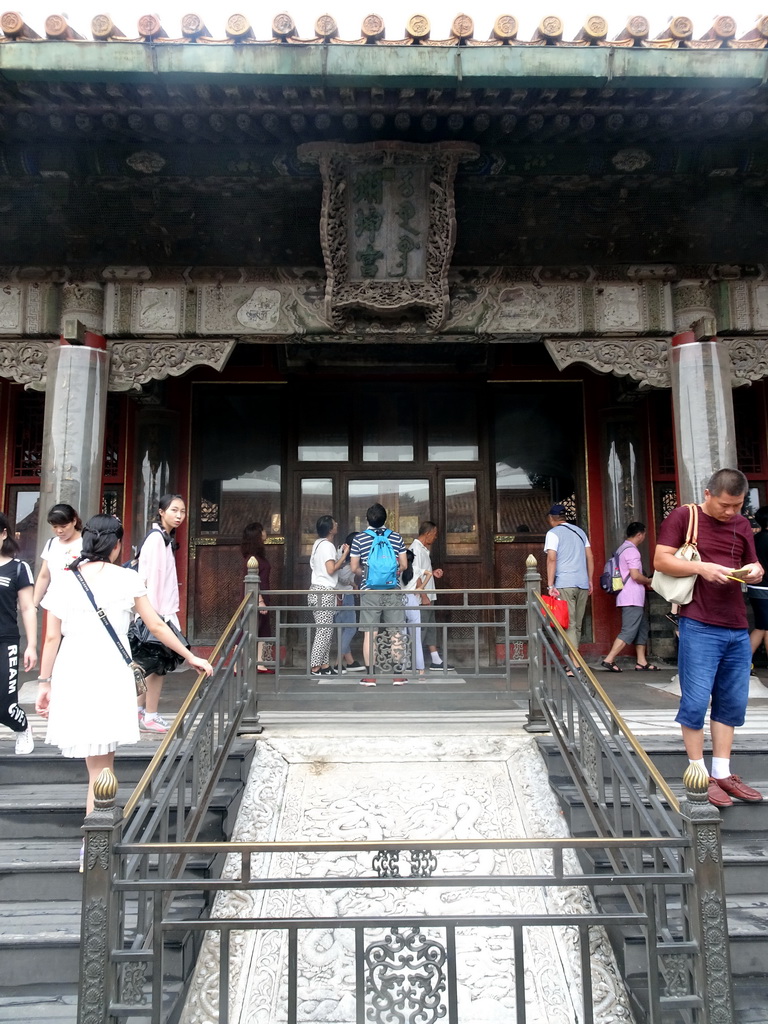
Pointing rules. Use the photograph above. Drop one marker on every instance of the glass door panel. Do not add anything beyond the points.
(316, 500)
(461, 529)
(406, 501)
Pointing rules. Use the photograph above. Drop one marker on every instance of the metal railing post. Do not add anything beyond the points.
(97, 985)
(536, 720)
(252, 582)
(707, 911)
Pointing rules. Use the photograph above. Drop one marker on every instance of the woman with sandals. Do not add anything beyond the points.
(86, 689)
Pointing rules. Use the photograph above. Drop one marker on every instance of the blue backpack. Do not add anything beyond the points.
(382, 562)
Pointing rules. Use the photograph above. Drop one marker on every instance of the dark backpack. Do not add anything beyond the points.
(133, 563)
(381, 573)
(611, 580)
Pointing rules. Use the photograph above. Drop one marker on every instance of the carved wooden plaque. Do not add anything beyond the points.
(388, 225)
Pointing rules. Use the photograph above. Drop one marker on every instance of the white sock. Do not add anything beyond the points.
(150, 716)
(721, 767)
(700, 763)
(435, 657)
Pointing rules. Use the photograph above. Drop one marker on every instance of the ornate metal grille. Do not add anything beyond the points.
(28, 437)
(112, 440)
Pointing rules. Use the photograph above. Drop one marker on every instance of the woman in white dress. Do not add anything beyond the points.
(86, 690)
(61, 549)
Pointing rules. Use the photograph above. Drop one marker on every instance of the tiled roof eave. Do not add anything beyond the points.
(354, 64)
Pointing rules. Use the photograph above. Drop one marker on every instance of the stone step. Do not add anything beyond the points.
(745, 865)
(750, 758)
(130, 764)
(40, 869)
(40, 938)
(747, 932)
(45, 937)
(42, 1004)
(37, 811)
(741, 819)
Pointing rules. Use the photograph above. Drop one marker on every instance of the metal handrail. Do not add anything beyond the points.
(615, 714)
(176, 725)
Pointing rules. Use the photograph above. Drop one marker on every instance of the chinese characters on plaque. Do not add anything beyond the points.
(387, 226)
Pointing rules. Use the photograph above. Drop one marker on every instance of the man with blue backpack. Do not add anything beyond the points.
(380, 554)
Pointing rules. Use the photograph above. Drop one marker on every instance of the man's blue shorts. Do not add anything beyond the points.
(714, 664)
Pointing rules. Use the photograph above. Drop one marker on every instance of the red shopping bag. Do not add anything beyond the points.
(558, 609)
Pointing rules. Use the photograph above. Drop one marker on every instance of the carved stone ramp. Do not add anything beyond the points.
(410, 786)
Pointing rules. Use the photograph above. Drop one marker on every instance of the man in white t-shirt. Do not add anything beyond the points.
(570, 567)
(422, 563)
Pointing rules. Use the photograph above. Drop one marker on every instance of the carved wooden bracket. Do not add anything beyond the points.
(388, 225)
(132, 363)
(646, 360)
(24, 362)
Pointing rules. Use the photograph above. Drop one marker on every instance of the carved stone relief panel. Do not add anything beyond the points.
(28, 308)
(522, 308)
(619, 307)
(10, 309)
(156, 309)
(387, 225)
(760, 306)
(83, 301)
(739, 314)
(261, 309)
(691, 301)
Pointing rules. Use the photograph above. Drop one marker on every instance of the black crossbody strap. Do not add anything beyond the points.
(103, 616)
(570, 529)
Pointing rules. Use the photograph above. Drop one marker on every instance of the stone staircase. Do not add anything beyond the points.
(745, 852)
(42, 798)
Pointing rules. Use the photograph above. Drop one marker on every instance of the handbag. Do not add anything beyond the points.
(679, 589)
(558, 609)
(149, 652)
(138, 673)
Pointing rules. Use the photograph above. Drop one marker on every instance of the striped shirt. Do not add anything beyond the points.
(361, 548)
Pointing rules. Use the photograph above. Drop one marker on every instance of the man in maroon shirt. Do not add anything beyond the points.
(714, 656)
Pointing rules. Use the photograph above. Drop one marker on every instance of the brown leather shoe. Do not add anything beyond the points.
(733, 786)
(718, 796)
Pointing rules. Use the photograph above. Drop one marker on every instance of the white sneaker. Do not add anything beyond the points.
(156, 724)
(25, 741)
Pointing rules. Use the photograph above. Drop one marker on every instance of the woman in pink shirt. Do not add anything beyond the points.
(157, 569)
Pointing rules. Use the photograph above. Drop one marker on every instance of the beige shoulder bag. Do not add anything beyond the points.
(679, 589)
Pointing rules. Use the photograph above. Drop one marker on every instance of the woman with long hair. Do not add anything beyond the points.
(85, 689)
(325, 565)
(253, 546)
(61, 549)
(157, 570)
(16, 587)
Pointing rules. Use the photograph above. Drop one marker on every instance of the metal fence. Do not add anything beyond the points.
(653, 874)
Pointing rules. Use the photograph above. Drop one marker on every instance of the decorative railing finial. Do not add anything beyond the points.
(105, 790)
(696, 782)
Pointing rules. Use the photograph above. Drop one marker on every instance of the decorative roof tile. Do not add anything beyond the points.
(678, 34)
